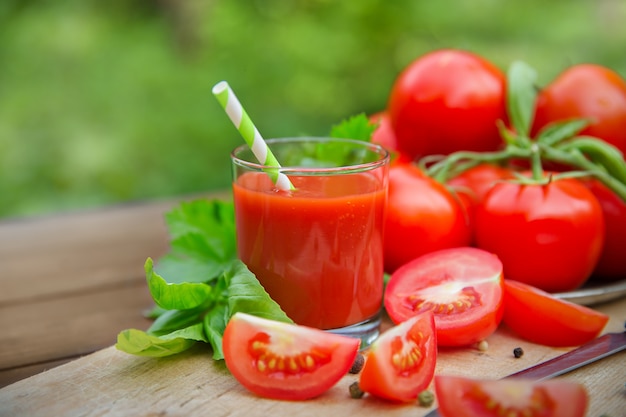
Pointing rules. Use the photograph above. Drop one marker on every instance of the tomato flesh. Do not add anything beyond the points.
(401, 362)
(285, 361)
(461, 286)
(541, 318)
(465, 397)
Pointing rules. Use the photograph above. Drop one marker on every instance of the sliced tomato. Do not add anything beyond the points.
(461, 286)
(465, 397)
(285, 361)
(401, 362)
(540, 317)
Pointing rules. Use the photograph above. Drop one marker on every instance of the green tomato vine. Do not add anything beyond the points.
(558, 143)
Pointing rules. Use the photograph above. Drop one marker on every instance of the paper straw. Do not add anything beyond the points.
(251, 135)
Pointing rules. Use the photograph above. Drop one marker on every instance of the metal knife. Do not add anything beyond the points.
(590, 352)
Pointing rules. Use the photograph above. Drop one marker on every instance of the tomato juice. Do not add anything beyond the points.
(317, 249)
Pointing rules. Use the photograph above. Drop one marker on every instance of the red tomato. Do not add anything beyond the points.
(465, 397)
(401, 362)
(446, 101)
(472, 185)
(285, 361)
(541, 318)
(477, 181)
(422, 216)
(586, 91)
(612, 263)
(386, 137)
(549, 236)
(461, 286)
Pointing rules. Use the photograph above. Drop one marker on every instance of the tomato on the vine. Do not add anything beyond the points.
(546, 235)
(422, 216)
(466, 397)
(461, 286)
(586, 91)
(401, 362)
(285, 361)
(541, 318)
(612, 263)
(445, 101)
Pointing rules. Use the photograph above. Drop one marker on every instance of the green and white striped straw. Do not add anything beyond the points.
(251, 135)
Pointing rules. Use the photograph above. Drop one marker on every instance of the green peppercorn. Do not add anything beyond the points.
(425, 398)
(355, 391)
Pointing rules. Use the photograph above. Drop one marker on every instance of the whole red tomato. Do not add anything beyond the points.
(548, 236)
(472, 185)
(422, 216)
(586, 91)
(445, 101)
(612, 263)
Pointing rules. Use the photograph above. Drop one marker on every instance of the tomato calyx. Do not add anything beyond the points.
(558, 143)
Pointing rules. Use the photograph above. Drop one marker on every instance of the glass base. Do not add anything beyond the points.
(367, 331)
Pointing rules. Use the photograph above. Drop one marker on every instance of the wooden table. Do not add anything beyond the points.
(69, 283)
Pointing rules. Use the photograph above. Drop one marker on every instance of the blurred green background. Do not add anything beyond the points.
(103, 102)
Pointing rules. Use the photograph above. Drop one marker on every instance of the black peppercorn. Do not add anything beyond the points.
(357, 365)
(518, 352)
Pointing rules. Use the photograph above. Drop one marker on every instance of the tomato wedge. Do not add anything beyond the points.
(539, 317)
(465, 397)
(461, 286)
(401, 362)
(285, 361)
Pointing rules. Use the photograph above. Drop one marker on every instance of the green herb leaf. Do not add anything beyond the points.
(203, 241)
(356, 127)
(521, 96)
(137, 342)
(195, 305)
(182, 296)
(556, 132)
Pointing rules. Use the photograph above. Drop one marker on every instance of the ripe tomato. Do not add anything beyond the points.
(562, 323)
(285, 361)
(446, 101)
(612, 263)
(461, 286)
(386, 137)
(586, 91)
(422, 216)
(401, 362)
(549, 236)
(472, 185)
(465, 397)
(477, 181)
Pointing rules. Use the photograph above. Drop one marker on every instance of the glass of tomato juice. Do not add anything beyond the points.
(317, 249)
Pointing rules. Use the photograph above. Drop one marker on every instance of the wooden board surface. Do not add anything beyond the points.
(112, 383)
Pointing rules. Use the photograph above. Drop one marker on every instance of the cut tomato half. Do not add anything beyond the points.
(539, 317)
(465, 397)
(461, 286)
(285, 361)
(401, 362)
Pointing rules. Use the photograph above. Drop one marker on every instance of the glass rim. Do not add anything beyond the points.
(384, 157)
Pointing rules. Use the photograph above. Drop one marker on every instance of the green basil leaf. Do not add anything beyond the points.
(214, 325)
(203, 241)
(172, 320)
(521, 96)
(246, 294)
(183, 296)
(137, 342)
(356, 127)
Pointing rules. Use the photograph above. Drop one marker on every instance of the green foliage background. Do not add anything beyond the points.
(104, 102)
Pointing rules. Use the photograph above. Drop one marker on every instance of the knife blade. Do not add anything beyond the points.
(590, 352)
